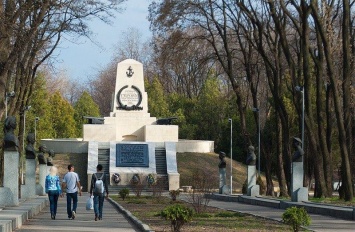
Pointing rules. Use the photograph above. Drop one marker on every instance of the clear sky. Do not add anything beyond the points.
(84, 58)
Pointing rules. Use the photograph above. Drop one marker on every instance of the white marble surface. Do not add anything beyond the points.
(11, 177)
(93, 158)
(171, 162)
(43, 172)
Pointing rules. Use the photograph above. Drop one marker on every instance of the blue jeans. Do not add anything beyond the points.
(53, 196)
(71, 196)
(98, 204)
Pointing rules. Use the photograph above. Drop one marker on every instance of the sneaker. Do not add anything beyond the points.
(73, 215)
(95, 218)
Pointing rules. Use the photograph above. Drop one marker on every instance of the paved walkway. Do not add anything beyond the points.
(319, 223)
(84, 220)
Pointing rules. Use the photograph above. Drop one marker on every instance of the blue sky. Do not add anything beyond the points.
(84, 58)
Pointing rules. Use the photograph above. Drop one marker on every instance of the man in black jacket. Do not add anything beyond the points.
(98, 188)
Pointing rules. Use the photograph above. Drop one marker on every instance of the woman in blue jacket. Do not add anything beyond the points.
(53, 189)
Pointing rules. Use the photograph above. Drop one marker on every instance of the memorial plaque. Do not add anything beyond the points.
(132, 155)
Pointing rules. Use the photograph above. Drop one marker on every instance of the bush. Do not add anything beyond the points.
(178, 215)
(174, 194)
(137, 184)
(296, 217)
(123, 193)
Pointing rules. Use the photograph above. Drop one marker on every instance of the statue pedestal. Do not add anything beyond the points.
(11, 178)
(29, 189)
(222, 180)
(298, 192)
(43, 172)
(253, 188)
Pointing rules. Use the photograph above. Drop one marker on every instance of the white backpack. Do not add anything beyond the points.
(99, 184)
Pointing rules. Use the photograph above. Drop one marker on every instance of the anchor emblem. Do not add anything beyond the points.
(129, 72)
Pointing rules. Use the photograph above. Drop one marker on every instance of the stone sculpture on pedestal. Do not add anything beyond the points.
(251, 158)
(222, 173)
(30, 150)
(299, 193)
(253, 188)
(10, 140)
(50, 158)
(298, 154)
(42, 151)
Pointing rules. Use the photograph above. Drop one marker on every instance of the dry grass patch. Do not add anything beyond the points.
(148, 208)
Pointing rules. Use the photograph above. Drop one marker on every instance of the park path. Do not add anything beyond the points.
(84, 220)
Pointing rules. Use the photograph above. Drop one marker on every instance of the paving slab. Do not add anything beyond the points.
(113, 220)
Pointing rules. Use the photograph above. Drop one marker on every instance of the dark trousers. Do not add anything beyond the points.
(98, 204)
(53, 196)
(70, 197)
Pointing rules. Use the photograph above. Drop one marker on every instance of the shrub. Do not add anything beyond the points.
(296, 217)
(178, 215)
(136, 184)
(202, 184)
(123, 193)
(174, 194)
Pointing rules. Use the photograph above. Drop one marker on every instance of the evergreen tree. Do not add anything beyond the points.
(85, 106)
(40, 109)
(62, 117)
(157, 103)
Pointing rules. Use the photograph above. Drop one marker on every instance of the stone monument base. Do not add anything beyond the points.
(254, 191)
(11, 178)
(6, 197)
(43, 172)
(300, 195)
(225, 189)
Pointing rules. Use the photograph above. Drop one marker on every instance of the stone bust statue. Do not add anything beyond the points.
(30, 150)
(42, 151)
(298, 154)
(50, 158)
(10, 140)
(251, 158)
(222, 161)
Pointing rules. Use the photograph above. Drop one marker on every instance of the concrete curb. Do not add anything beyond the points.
(346, 213)
(131, 217)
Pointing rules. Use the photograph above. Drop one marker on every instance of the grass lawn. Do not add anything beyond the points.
(148, 208)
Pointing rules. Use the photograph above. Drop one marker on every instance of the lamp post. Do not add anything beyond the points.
(258, 112)
(231, 140)
(7, 96)
(36, 120)
(301, 89)
(26, 108)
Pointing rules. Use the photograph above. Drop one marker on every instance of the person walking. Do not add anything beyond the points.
(71, 183)
(98, 188)
(52, 188)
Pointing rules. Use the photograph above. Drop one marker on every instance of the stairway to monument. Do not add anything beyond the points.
(160, 161)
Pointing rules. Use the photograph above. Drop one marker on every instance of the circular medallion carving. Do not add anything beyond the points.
(129, 98)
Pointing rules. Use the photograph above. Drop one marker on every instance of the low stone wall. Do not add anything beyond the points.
(201, 146)
(343, 212)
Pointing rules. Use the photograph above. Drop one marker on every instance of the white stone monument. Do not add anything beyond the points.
(9, 194)
(29, 188)
(130, 133)
(43, 172)
(253, 188)
(298, 192)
